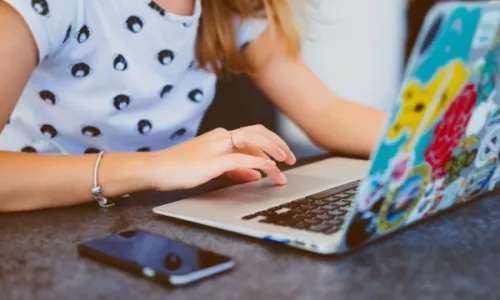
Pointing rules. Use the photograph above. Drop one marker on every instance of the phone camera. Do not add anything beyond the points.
(173, 262)
(127, 234)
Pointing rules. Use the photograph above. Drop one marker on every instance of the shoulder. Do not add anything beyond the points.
(48, 20)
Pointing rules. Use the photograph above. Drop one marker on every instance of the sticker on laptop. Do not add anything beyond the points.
(486, 30)
(489, 148)
(400, 203)
(449, 131)
(377, 186)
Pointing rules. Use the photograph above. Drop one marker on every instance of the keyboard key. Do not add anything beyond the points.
(336, 213)
(312, 221)
(320, 203)
(331, 199)
(299, 210)
(343, 195)
(331, 230)
(342, 203)
(317, 211)
(325, 217)
(290, 205)
(284, 217)
(306, 215)
(308, 207)
(336, 221)
(300, 225)
(319, 228)
(283, 210)
(301, 201)
(330, 206)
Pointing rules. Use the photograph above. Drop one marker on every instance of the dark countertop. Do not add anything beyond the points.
(451, 257)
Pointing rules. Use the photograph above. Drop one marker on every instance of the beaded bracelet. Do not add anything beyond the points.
(96, 190)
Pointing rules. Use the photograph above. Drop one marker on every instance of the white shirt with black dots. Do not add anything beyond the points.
(113, 76)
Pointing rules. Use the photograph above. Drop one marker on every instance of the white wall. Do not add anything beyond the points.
(357, 48)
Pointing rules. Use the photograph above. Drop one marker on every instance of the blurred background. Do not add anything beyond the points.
(357, 47)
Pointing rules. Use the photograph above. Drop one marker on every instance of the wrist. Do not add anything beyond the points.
(124, 173)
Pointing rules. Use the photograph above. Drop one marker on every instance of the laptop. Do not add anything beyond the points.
(439, 149)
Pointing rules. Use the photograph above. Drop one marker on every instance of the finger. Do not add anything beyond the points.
(261, 137)
(226, 163)
(243, 175)
(272, 172)
(278, 140)
(243, 139)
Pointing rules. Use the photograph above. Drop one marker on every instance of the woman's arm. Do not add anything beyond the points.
(331, 122)
(30, 181)
(39, 181)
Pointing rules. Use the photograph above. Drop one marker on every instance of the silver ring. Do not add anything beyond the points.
(231, 141)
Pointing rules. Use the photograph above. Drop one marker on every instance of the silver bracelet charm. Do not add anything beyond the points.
(96, 190)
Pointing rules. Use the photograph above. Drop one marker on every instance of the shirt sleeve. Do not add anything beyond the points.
(50, 21)
(249, 30)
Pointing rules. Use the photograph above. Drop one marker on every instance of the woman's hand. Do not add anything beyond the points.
(236, 154)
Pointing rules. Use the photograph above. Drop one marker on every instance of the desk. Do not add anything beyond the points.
(452, 257)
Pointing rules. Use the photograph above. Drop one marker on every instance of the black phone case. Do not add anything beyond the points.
(131, 268)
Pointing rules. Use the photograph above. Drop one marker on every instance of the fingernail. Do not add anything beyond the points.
(282, 153)
(283, 177)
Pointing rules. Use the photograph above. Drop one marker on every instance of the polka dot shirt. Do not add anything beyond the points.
(113, 76)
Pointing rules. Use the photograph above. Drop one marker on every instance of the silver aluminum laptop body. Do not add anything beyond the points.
(440, 148)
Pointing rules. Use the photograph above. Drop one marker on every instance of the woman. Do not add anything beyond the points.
(104, 98)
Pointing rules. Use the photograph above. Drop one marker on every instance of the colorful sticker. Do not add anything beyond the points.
(449, 131)
(483, 113)
(400, 203)
(423, 105)
(477, 180)
(490, 145)
(469, 142)
(425, 205)
(488, 77)
(487, 29)
(377, 186)
(457, 163)
(450, 194)
(400, 168)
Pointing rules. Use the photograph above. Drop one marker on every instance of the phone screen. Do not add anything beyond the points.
(156, 256)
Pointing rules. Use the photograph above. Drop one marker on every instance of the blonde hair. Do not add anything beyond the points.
(217, 48)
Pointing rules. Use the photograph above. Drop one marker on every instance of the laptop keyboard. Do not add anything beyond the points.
(320, 213)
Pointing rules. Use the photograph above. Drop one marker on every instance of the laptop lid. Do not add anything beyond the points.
(440, 147)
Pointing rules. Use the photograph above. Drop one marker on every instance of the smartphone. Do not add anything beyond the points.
(155, 257)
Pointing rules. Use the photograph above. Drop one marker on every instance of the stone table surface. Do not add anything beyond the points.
(455, 256)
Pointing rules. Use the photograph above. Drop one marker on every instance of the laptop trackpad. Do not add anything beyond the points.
(297, 185)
